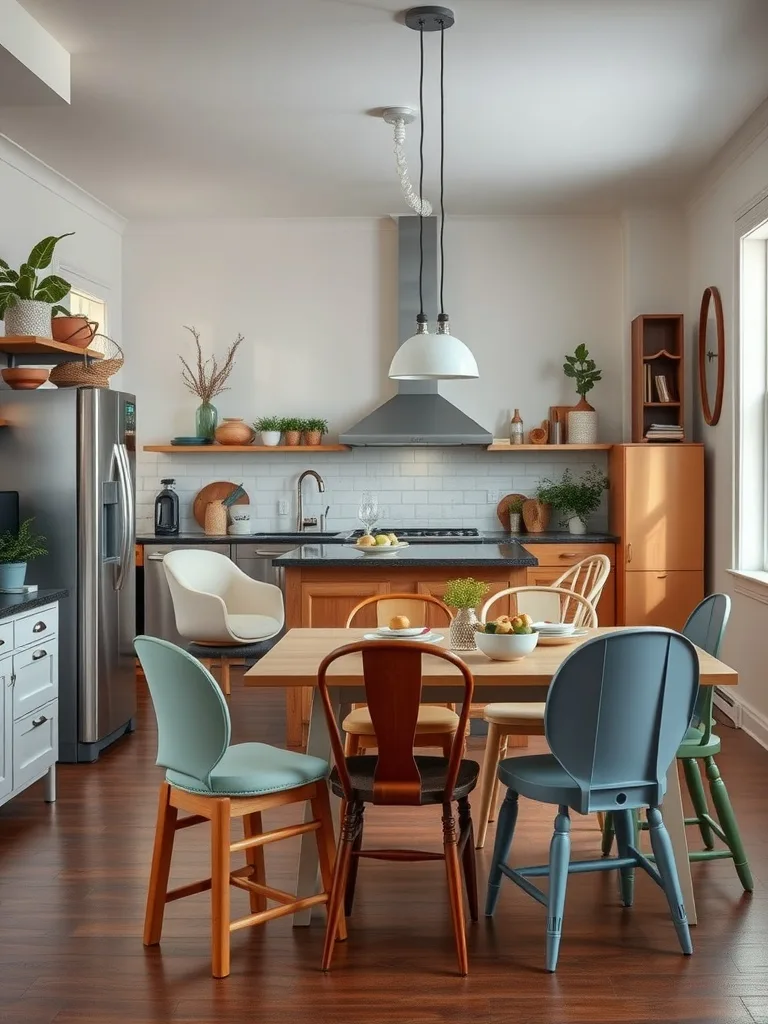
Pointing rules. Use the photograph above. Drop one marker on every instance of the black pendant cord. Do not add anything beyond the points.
(442, 163)
(421, 172)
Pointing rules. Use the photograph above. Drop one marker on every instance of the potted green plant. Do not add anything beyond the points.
(576, 500)
(314, 430)
(16, 549)
(270, 428)
(292, 427)
(25, 299)
(464, 595)
(515, 511)
(582, 419)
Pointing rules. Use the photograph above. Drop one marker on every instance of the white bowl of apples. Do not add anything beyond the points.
(382, 545)
(507, 639)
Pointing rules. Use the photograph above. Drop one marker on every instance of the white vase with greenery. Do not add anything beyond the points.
(464, 595)
(271, 430)
(576, 500)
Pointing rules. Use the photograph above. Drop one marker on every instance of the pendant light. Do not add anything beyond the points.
(426, 356)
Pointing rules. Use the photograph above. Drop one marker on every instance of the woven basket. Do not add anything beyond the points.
(90, 373)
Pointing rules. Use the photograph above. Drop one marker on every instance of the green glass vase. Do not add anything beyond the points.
(206, 420)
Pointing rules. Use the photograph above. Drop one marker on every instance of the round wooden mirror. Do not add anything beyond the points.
(711, 355)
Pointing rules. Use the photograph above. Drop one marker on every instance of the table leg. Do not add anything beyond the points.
(674, 819)
(318, 745)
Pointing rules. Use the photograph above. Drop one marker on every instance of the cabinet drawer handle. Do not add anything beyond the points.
(39, 721)
(39, 627)
(663, 576)
(569, 554)
(38, 655)
(629, 553)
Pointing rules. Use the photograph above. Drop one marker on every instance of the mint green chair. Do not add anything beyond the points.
(216, 782)
(706, 627)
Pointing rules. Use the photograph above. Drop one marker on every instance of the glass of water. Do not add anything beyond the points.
(368, 513)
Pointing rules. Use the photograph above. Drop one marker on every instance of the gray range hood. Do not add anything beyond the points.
(417, 415)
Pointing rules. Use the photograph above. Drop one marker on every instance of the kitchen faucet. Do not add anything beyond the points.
(301, 522)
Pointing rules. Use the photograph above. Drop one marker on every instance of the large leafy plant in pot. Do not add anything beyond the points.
(16, 549)
(26, 299)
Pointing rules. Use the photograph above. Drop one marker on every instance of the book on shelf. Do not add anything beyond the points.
(662, 388)
(664, 432)
(647, 395)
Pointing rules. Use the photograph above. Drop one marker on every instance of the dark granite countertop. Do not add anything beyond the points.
(288, 537)
(415, 555)
(15, 604)
(551, 537)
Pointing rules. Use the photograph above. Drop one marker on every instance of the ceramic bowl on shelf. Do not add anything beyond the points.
(25, 378)
(506, 646)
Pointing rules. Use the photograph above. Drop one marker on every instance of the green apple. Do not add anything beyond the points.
(382, 540)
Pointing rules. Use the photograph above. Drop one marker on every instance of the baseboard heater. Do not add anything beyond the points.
(724, 702)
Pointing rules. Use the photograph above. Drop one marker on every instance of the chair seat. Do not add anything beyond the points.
(254, 769)
(250, 652)
(500, 714)
(431, 720)
(433, 771)
(253, 627)
(693, 747)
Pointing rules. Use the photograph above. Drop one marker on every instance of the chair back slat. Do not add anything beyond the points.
(617, 710)
(542, 598)
(193, 724)
(705, 627)
(587, 578)
(392, 675)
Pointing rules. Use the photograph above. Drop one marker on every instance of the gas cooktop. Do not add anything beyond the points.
(422, 535)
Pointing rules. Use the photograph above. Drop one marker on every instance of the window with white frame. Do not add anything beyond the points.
(751, 519)
(91, 308)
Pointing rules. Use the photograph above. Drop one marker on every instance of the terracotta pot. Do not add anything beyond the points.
(312, 437)
(535, 515)
(25, 378)
(73, 330)
(292, 438)
(234, 431)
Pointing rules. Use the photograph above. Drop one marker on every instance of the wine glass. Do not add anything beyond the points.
(368, 513)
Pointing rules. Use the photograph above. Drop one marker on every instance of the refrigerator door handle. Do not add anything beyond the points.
(127, 518)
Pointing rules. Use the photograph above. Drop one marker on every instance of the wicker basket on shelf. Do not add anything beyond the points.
(87, 372)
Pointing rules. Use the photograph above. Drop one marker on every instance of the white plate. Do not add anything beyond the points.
(411, 631)
(428, 638)
(381, 550)
(554, 628)
(568, 638)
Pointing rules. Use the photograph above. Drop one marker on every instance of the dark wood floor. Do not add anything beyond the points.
(72, 891)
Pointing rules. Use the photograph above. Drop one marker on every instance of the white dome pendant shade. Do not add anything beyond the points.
(426, 356)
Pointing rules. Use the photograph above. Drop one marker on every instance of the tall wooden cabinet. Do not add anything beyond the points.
(657, 511)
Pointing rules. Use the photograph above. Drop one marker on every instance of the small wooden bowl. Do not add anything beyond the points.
(25, 378)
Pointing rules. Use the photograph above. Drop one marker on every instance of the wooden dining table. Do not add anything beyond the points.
(295, 659)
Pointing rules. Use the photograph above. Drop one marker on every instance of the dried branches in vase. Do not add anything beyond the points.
(207, 380)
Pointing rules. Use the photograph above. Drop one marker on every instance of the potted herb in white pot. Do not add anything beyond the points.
(271, 429)
(26, 301)
(582, 418)
(577, 500)
(16, 549)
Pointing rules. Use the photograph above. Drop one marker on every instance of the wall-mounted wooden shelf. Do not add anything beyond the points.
(230, 449)
(23, 345)
(657, 351)
(500, 447)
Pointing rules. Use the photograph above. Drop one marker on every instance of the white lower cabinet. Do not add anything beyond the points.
(29, 702)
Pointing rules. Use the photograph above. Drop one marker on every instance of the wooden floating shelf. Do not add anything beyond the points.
(23, 345)
(661, 354)
(549, 447)
(224, 449)
(659, 405)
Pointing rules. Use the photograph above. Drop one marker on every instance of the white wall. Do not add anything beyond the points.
(317, 303)
(712, 261)
(35, 201)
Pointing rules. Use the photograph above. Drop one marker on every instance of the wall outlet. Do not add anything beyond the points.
(282, 508)
(494, 497)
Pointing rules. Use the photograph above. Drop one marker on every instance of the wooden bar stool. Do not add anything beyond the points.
(216, 782)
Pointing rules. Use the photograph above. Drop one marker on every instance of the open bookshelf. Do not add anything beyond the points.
(658, 378)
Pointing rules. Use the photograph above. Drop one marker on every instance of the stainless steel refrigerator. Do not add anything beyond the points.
(71, 455)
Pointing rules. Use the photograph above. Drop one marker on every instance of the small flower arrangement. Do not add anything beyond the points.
(464, 593)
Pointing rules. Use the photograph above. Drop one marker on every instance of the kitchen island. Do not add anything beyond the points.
(324, 582)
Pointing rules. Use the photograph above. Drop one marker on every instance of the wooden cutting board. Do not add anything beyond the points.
(501, 509)
(216, 491)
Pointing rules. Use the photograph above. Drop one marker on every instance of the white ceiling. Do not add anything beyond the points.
(232, 108)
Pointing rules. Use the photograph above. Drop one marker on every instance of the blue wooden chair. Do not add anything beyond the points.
(616, 712)
(216, 782)
(706, 628)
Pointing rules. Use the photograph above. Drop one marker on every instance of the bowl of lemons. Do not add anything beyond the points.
(507, 639)
(381, 545)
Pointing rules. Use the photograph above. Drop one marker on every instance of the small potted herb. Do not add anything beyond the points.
(582, 418)
(270, 428)
(515, 512)
(576, 500)
(314, 430)
(16, 549)
(292, 427)
(464, 595)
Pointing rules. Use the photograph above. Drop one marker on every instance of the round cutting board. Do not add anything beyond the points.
(214, 492)
(502, 513)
